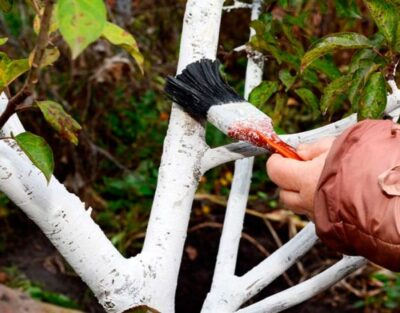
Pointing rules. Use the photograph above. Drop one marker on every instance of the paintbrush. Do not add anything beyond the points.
(202, 92)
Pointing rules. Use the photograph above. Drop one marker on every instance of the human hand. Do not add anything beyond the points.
(298, 179)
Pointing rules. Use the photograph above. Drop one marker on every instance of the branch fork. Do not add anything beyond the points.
(150, 278)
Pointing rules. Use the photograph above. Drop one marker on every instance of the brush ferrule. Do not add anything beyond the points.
(225, 116)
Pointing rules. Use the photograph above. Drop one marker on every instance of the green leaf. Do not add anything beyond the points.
(11, 69)
(262, 45)
(327, 67)
(284, 3)
(347, 9)
(6, 5)
(378, 39)
(280, 104)
(359, 57)
(16, 68)
(38, 151)
(286, 78)
(3, 40)
(117, 36)
(260, 95)
(374, 98)
(290, 59)
(81, 22)
(395, 2)
(310, 76)
(296, 45)
(334, 89)
(258, 26)
(61, 121)
(360, 77)
(385, 15)
(298, 20)
(308, 97)
(332, 43)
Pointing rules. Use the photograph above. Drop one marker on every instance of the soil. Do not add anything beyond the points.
(31, 252)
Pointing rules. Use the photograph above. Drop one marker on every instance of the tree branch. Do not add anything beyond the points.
(65, 221)
(33, 74)
(235, 151)
(393, 104)
(237, 5)
(307, 289)
(279, 261)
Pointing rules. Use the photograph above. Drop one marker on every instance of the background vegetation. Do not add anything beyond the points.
(124, 116)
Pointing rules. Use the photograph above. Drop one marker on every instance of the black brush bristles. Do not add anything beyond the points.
(199, 87)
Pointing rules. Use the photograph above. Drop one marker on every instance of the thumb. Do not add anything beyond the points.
(312, 150)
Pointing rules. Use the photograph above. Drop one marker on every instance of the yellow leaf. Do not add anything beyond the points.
(53, 22)
(117, 36)
(50, 56)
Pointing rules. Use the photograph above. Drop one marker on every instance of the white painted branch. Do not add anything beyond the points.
(277, 263)
(236, 208)
(393, 104)
(63, 219)
(237, 5)
(150, 278)
(227, 153)
(232, 152)
(238, 290)
(233, 223)
(179, 172)
(307, 289)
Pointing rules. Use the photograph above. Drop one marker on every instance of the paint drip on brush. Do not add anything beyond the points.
(261, 134)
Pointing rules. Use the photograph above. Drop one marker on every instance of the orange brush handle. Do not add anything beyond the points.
(280, 147)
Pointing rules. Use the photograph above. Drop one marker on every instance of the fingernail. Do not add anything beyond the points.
(300, 147)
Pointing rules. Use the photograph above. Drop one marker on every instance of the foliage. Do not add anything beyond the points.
(123, 115)
(80, 23)
(20, 281)
(388, 299)
(38, 151)
(62, 122)
(309, 72)
(11, 69)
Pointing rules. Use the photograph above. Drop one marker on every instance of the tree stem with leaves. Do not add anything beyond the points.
(33, 75)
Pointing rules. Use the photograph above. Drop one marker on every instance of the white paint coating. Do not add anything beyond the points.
(307, 289)
(64, 220)
(219, 299)
(151, 277)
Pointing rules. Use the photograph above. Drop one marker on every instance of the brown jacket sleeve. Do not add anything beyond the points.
(357, 202)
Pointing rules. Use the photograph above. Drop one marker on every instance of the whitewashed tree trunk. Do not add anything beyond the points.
(150, 278)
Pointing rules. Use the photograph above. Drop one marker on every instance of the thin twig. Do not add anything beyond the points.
(36, 6)
(392, 67)
(245, 236)
(33, 74)
(109, 156)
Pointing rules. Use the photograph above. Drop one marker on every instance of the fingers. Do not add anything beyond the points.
(284, 172)
(310, 151)
(293, 201)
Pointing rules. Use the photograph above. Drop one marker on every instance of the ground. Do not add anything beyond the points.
(32, 254)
